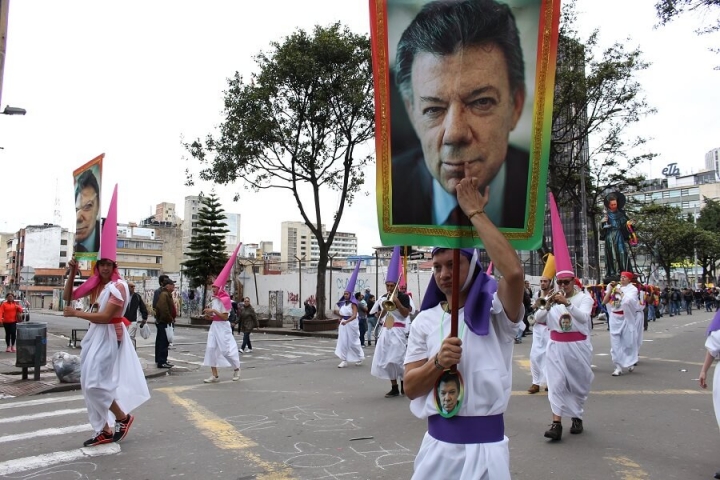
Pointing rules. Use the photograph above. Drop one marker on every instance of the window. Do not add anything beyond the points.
(685, 204)
(666, 194)
(674, 193)
(63, 254)
(63, 242)
(684, 192)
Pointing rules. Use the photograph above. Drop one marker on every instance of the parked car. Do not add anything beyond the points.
(25, 315)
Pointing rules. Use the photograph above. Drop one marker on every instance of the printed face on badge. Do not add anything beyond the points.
(449, 393)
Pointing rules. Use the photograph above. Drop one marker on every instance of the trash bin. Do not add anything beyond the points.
(25, 344)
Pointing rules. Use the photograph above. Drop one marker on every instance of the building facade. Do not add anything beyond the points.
(189, 224)
(298, 244)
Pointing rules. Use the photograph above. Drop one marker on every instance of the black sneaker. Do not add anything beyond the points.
(122, 427)
(554, 433)
(577, 426)
(99, 439)
(393, 393)
(165, 365)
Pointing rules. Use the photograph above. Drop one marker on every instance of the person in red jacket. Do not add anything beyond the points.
(9, 313)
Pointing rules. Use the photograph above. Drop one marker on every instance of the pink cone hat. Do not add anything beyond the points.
(563, 267)
(490, 268)
(223, 276)
(108, 249)
(401, 276)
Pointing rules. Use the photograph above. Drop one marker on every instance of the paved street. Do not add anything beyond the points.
(294, 415)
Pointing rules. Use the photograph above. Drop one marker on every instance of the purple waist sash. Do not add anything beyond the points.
(465, 430)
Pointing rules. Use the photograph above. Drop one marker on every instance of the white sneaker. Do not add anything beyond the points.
(212, 379)
(236, 375)
(357, 364)
(343, 364)
(617, 372)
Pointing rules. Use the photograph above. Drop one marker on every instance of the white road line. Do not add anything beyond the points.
(42, 401)
(285, 355)
(46, 432)
(56, 413)
(49, 459)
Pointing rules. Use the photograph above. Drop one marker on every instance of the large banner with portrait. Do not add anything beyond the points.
(87, 181)
(462, 88)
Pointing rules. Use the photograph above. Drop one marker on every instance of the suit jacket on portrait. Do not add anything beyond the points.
(412, 192)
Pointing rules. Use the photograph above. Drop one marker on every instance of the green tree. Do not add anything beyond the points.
(296, 125)
(206, 253)
(708, 10)
(666, 236)
(708, 249)
(598, 100)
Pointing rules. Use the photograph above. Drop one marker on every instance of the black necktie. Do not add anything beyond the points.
(457, 217)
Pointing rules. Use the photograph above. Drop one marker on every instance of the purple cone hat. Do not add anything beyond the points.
(481, 286)
(393, 272)
(221, 279)
(351, 286)
(714, 325)
(563, 266)
(108, 249)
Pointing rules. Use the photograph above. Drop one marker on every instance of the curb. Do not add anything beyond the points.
(70, 387)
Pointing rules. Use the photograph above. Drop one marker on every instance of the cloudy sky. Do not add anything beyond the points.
(133, 78)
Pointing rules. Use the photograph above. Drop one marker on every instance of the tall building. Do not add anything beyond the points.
(165, 212)
(298, 242)
(712, 161)
(189, 223)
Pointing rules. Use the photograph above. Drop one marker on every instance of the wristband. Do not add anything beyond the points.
(437, 364)
(475, 212)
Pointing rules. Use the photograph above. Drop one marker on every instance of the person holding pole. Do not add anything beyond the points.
(472, 444)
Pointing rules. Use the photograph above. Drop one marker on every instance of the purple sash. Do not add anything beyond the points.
(466, 430)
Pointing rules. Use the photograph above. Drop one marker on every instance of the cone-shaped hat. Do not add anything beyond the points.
(401, 275)
(351, 285)
(221, 279)
(549, 270)
(490, 268)
(394, 267)
(563, 267)
(108, 237)
(108, 250)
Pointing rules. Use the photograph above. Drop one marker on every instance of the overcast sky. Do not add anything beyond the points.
(133, 78)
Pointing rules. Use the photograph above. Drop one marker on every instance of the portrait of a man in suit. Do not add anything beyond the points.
(460, 74)
(87, 208)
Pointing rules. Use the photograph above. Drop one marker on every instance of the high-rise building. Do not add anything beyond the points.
(298, 242)
(712, 161)
(165, 213)
(189, 224)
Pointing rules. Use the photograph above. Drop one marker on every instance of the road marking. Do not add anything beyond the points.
(49, 459)
(637, 392)
(223, 434)
(56, 413)
(630, 470)
(47, 432)
(42, 401)
(285, 355)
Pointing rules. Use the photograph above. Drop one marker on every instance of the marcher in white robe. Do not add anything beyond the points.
(640, 318)
(712, 345)
(221, 349)
(472, 444)
(348, 348)
(112, 378)
(622, 302)
(569, 355)
(389, 357)
(541, 336)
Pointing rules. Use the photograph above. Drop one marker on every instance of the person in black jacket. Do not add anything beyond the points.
(136, 302)
(310, 312)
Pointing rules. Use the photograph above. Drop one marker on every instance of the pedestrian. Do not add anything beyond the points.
(622, 300)
(165, 315)
(568, 358)
(111, 379)
(362, 316)
(10, 312)
(389, 357)
(371, 320)
(310, 311)
(136, 302)
(221, 349)
(541, 334)
(348, 348)
(248, 322)
(712, 345)
(471, 445)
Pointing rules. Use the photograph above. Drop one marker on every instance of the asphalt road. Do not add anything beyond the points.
(294, 415)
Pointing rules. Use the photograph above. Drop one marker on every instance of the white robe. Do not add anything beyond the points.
(623, 328)
(221, 349)
(109, 372)
(713, 346)
(568, 364)
(348, 346)
(486, 368)
(389, 357)
(639, 322)
(541, 335)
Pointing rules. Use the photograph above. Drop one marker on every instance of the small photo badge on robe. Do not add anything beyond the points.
(565, 322)
(449, 393)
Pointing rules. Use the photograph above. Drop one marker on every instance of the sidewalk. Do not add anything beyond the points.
(12, 385)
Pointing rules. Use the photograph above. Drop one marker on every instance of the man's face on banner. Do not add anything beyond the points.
(86, 207)
(449, 393)
(462, 110)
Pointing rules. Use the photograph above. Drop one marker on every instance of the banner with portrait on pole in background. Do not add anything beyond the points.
(87, 187)
(463, 88)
